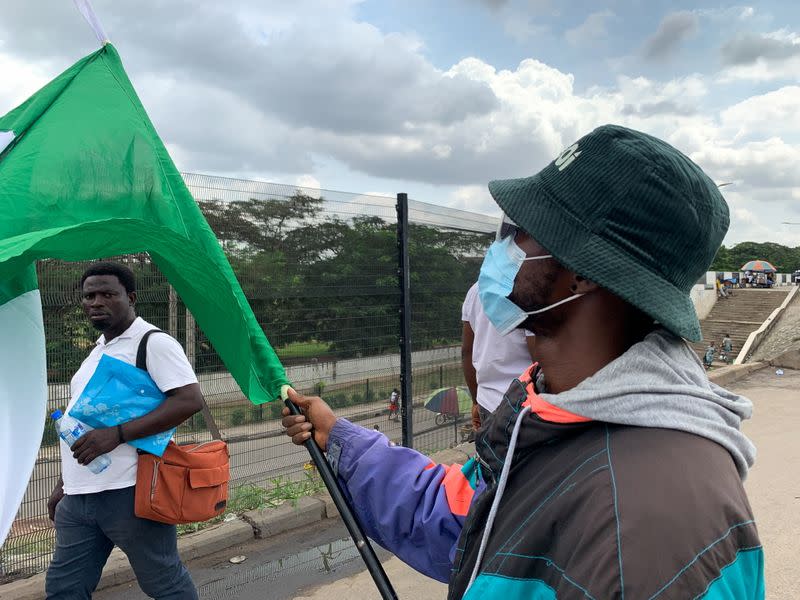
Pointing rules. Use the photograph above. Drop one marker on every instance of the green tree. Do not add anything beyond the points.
(784, 258)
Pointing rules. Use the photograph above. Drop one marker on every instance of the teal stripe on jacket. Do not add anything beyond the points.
(743, 579)
(488, 587)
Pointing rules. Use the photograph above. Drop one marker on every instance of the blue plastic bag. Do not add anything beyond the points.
(119, 392)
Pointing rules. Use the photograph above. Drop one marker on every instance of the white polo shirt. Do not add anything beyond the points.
(498, 359)
(169, 368)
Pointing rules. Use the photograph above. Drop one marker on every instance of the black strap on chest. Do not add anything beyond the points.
(141, 363)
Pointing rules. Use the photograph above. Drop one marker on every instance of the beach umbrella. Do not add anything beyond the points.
(449, 401)
(761, 266)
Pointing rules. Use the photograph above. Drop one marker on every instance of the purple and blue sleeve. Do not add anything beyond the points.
(405, 502)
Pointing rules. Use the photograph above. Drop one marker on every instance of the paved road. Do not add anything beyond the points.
(275, 569)
(774, 483)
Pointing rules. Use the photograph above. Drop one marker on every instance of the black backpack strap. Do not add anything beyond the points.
(141, 351)
(141, 363)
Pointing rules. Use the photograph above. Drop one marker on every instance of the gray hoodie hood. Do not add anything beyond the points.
(660, 382)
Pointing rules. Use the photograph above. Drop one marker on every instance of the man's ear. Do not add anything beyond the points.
(132, 298)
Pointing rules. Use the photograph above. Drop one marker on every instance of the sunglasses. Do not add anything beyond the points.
(506, 228)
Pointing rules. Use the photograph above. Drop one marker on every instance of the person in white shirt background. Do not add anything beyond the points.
(490, 361)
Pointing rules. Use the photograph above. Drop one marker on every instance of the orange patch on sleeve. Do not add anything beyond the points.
(457, 490)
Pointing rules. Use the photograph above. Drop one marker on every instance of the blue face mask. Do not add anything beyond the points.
(496, 282)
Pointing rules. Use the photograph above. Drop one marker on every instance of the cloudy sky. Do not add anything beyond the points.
(437, 97)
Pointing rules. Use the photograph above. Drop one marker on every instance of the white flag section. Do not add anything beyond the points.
(85, 8)
(5, 139)
(23, 399)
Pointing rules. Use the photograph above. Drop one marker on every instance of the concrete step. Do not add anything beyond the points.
(739, 315)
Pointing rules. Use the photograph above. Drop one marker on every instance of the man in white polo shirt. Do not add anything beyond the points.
(95, 512)
(490, 361)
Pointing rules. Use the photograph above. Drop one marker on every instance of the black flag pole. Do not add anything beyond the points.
(363, 545)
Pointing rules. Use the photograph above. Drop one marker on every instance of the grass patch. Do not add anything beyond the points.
(308, 349)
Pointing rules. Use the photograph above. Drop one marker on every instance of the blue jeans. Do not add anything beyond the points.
(88, 526)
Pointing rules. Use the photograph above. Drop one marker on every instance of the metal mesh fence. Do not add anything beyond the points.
(319, 269)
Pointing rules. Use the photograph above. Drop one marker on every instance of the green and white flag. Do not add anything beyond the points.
(83, 174)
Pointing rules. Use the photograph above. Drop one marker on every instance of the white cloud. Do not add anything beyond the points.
(522, 28)
(673, 29)
(310, 185)
(20, 79)
(592, 31)
(772, 114)
(645, 98)
(754, 218)
(770, 163)
(761, 57)
(728, 13)
(747, 12)
(474, 198)
(745, 215)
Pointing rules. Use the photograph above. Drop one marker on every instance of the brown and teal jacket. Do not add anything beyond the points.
(583, 507)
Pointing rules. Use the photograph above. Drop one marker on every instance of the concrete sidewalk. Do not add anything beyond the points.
(406, 581)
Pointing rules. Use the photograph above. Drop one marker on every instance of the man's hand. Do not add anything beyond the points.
(94, 443)
(55, 498)
(476, 416)
(317, 417)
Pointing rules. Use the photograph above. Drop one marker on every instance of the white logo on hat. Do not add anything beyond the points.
(567, 157)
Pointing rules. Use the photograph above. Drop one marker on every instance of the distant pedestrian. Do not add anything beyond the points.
(721, 293)
(728, 286)
(727, 348)
(708, 358)
(394, 405)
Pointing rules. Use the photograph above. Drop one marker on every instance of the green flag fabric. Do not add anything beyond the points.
(83, 174)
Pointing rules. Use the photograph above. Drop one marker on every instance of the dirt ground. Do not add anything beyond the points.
(773, 487)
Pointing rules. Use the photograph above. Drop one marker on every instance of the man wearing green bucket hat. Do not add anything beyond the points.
(613, 468)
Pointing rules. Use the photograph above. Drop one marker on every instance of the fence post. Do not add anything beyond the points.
(173, 312)
(190, 340)
(404, 283)
(191, 355)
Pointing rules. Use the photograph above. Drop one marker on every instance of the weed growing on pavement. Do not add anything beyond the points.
(283, 488)
(253, 497)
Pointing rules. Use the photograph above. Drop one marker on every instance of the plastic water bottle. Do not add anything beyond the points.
(70, 429)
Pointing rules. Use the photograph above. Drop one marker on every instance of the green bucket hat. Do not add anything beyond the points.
(629, 212)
